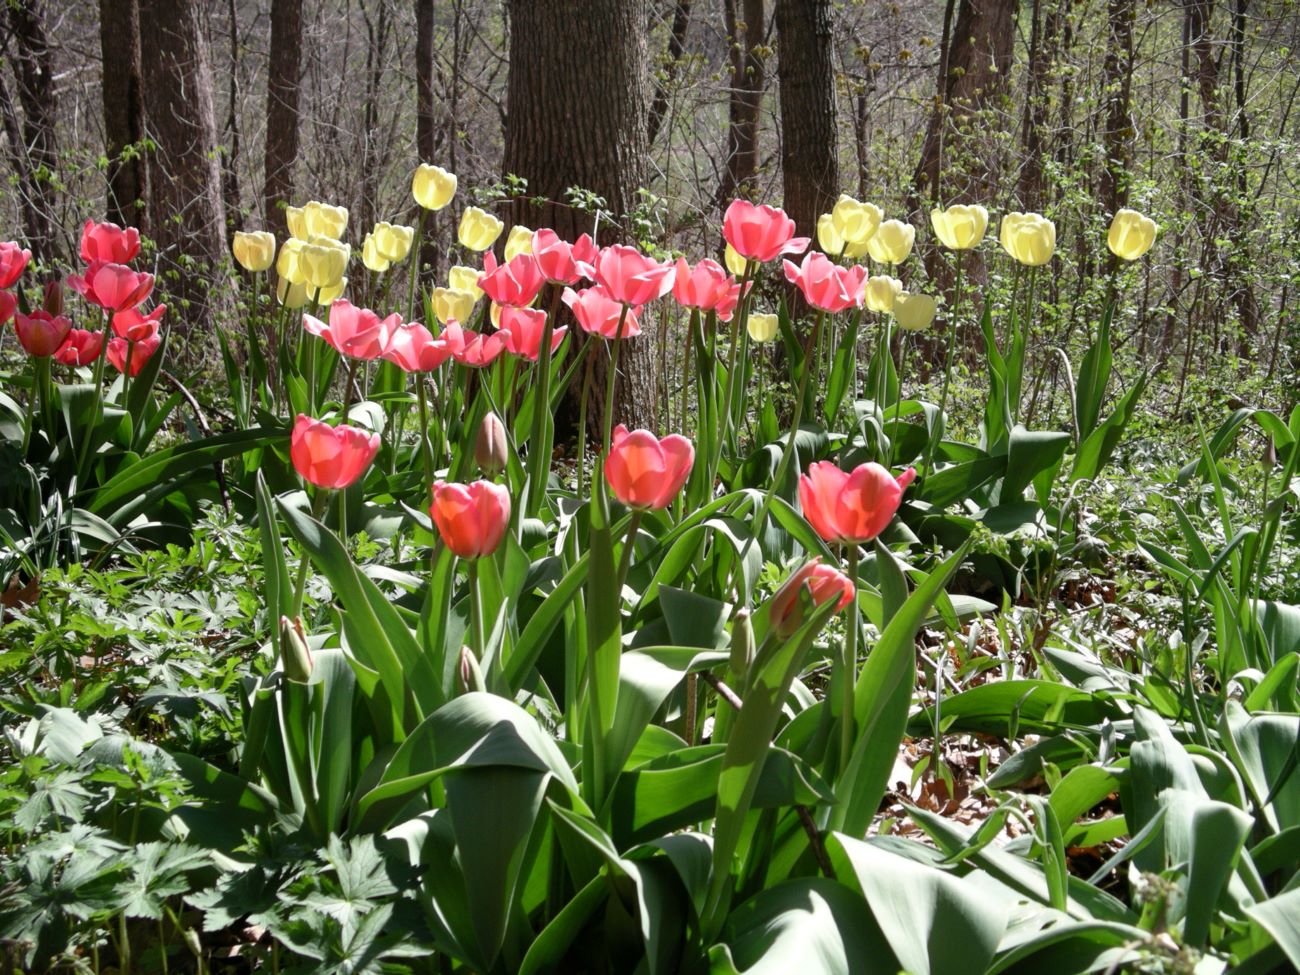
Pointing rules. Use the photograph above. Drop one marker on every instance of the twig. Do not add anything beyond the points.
(815, 839)
(724, 692)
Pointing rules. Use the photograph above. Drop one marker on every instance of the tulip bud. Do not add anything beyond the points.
(371, 258)
(736, 263)
(914, 312)
(478, 229)
(892, 242)
(432, 186)
(812, 585)
(1131, 235)
(960, 227)
(295, 654)
(881, 292)
(53, 302)
(471, 675)
(490, 451)
(452, 305)
(254, 251)
(393, 241)
(1028, 237)
(518, 241)
(462, 278)
(762, 326)
(742, 643)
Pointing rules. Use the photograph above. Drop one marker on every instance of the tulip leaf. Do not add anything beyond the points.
(1094, 376)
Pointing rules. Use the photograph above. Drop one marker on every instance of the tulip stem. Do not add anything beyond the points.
(629, 546)
(416, 248)
(539, 446)
(425, 450)
(903, 348)
(848, 665)
(126, 374)
(612, 378)
(476, 610)
(947, 367)
(582, 422)
(300, 586)
(727, 427)
(96, 412)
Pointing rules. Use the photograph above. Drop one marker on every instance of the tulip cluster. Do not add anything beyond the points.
(312, 264)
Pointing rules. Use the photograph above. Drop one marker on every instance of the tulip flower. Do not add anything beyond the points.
(824, 583)
(113, 287)
(52, 300)
(476, 350)
(330, 457)
(558, 260)
(371, 258)
(107, 243)
(134, 326)
(316, 219)
(353, 331)
(478, 229)
(289, 264)
(138, 353)
(471, 518)
(8, 304)
(522, 328)
(881, 291)
(452, 304)
(490, 450)
(13, 261)
(848, 227)
(960, 227)
(514, 283)
(851, 507)
(432, 186)
(762, 326)
(254, 251)
(599, 314)
(707, 287)
(825, 284)
(393, 241)
(914, 312)
(331, 293)
(518, 241)
(413, 348)
(1131, 235)
(41, 333)
(760, 233)
(323, 262)
(81, 348)
(735, 263)
(631, 278)
(892, 242)
(645, 472)
(1028, 237)
(462, 278)
(292, 296)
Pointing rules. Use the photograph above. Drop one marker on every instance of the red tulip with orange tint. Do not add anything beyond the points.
(824, 584)
(471, 518)
(113, 287)
(707, 286)
(599, 314)
(760, 233)
(331, 457)
(353, 331)
(559, 261)
(41, 333)
(81, 348)
(140, 352)
(851, 507)
(644, 471)
(107, 243)
(522, 329)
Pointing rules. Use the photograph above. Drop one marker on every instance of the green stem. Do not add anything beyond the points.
(97, 410)
(629, 546)
(300, 586)
(539, 451)
(416, 247)
(848, 666)
(476, 610)
(727, 427)
(426, 454)
(610, 382)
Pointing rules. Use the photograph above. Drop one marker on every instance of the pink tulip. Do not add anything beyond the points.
(81, 348)
(476, 350)
(113, 287)
(107, 243)
(413, 348)
(353, 331)
(522, 329)
(134, 326)
(824, 584)
(760, 233)
(8, 304)
(856, 507)
(514, 283)
(13, 261)
(140, 352)
(629, 277)
(599, 314)
(331, 457)
(644, 471)
(707, 287)
(825, 284)
(558, 260)
(471, 518)
(41, 333)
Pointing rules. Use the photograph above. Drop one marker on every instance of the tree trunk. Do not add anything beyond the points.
(424, 125)
(186, 185)
(230, 158)
(128, 170)
(577, 118)
(283, 84)
(809, 163)
(747, 38)
(1118, 139)
(1044, 36)
(33, 65)
(676, 45)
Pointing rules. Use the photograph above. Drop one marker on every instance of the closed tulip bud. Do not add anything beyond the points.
(478, 229)
(490, 447)
(822, 583)
(646, 472)
(742, 643)
(462, 278)
(1028, 237)
(453, 305)
(432, 186)
(736, 264)
(324, 261)
(393, 241)
(518, 241)
(371, 258)
(470, 673)
(1131, 235)
(295, 652)
(762, 326)
(254, 251)
(960, 227)
(914, 312)
(296, 220)
(892, 242)
(471, 518)
(881, 292)
(53, 300)
(324, 220)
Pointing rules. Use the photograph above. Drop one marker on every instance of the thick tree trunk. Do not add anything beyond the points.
(187, 216)
(809, 162)
(33, 64)
(283, 84)
(424, 121)
(747, 36)
(128, 170)
(1118, 139)
(1044, 37)
(676, 45)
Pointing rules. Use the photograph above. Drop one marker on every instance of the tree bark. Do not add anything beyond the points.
(128, 170)
(1118, 138)
(33, 64)
(425, 145)
(809, 161)
(747, 36)
(283, 84)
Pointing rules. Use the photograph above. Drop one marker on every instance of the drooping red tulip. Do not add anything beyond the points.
(81, 348)
(471, 518)
(824, 584)
(599, 314)
(851, 507)
(119, 350)
(41, 333)
(522, 329)
(414, 349)
(353, 331)
(760, 233)
(330, 457)
(644, 471)
(113, 287)
(107, 243)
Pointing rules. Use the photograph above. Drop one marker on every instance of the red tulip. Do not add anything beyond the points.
(522, 330)
(471, 518)
(707, 287)
(599, 314)
(81, 348)
(854, 507)
(476, 350)
(113, 287)
(558, 260)
(8, 304)
(760, 233)
(353, 331)
(107, 243)
(134, 326)
(41, 333)
(825, 284)
(644, 471)
(330, 457)
(140, 352)
(13, 261)
(824, 584)
(414, 349)
(629, 277)
(514, 283)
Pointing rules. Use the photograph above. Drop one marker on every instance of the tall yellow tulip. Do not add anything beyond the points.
(432, 186)
(892, 242)
(371, 257)
(762, 326)
(881, 292)
(254, 250)
(450, 305)
(478, 229)
(462, 278)
(1028, 237)
(855, 222)
(960, 227)
(914, 312)
(1131, 235)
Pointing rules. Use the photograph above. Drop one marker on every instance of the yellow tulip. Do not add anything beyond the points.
(432, 186)
(255, 251)
(914, 312)
(322, 220)
(762, 326)
(1028, 237)
(478, 229)
(1131, 235)
(830, 241)
(370, 256)
(494, 314)
(881, 291)
(393, 241)
(332, 292)
(735, 262)
(462, 278)
(855, 222)
(325, 261)
(296, 220)
(892, 242)
(450, 305)
(291, 295)
(518, 241)
(289, 264)
(960, 227)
